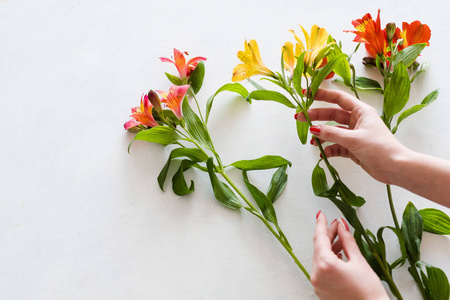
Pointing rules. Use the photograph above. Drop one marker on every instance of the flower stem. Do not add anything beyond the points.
(253, 209)
(391, 205)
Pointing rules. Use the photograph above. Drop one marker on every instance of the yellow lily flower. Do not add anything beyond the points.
(314, 43)
(252, 63)
(290, 56)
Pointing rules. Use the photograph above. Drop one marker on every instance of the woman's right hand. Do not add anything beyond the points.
(366, 139)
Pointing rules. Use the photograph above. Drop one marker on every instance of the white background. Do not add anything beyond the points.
(81, 218)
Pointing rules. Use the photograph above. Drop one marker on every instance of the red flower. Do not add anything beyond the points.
(184, 68)
(370, 33)
(141, 115)
(414, 33)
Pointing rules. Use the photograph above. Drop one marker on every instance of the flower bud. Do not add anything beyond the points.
(390, 31)
(136, 129)
(369, 61)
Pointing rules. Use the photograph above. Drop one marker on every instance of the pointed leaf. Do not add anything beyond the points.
(412, 228)
(195, 126)
(174, 79)
(323, 73)
(262, 163)
(350, 196)
(298, 74)
(364, 83)
(397, 91)
(160, 135)
(302, 130)
(277, 184)
(230, 87)
(408, 55)
(428, 100)
(342, 69)
(438, 284)
(196, 78)
(271, 96)
(179, 185)
(264, 203)
(222, 192)
(319, 180)
(435, 221)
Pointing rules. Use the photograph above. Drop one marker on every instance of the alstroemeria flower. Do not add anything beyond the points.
(414, 33)
(290, 56)
(314, 43)
(173, 98)
(252, 63)
(370, 33)
(184, 68)
(142, 115)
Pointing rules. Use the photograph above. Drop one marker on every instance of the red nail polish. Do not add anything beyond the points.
(295, 116)
(339, 255)
(345, 224)
(312, 141)
(321, 155)
(304, 91)
(318, 213)
(315, 130)
(335, 220)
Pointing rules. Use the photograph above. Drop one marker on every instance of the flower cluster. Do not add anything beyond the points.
(381, 42)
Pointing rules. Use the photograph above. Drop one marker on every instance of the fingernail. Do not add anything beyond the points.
(344, 224)
(315, 130)
(304, 91)
(318, 213)
(339, 255)
(312, 141)
(335, 220)
(296, 115)
(321, 155)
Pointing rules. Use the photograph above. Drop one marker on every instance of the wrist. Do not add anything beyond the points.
(397, 163)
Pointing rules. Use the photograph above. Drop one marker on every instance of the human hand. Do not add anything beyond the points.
(334, 278)
(369, 142)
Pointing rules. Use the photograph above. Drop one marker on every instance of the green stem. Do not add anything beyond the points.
(253, 208)
(391, 205)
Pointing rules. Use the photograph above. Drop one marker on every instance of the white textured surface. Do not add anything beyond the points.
(80, 218)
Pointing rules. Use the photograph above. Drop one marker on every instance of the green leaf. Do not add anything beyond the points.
(174, 79)
(277, 184)
(256, 85)
(160, 135)
(342, 69)
(368, 255)
(195, 126)
(396, 94)
(323, 73)
(302, 130)
(196, 155)
(230, 87)
(428, 100)
(435, 221)
(351, 197)
(438, 284)
(408, 55)
(271, 96)
(222, 192)
(196, 78)
(262, 163)
(319, 180)
(412, 228)
(364, 83)
(179, 185)
(401, 261)
(264, 203)
(298, 74)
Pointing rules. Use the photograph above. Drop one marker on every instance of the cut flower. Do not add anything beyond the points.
(252, 63)
(173, 98)
(184, 68)
(141, 115)
(314, 43)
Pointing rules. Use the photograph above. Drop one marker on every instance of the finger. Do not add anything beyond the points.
(322, 243)
(326, 114)
(336, 247)
(343, 99)
(349, 245)
(335, 134)
(333, 231)
(336, 151)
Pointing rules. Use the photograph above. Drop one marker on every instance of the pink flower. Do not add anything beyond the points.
(141, 115)
(184, 69)
(173, 98)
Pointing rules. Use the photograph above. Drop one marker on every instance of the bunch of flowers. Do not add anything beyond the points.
(303, 68)
(175, 118)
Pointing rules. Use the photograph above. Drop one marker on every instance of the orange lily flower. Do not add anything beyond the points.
(414, 33)
(173, 98)
(370, 33)
(184, 68)
(142, 115)
(252, 63)
(314, 43)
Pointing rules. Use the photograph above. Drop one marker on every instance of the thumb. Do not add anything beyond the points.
(338, 135)
(348, 242)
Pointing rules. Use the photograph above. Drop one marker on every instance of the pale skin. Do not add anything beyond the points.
(368, 142)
